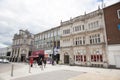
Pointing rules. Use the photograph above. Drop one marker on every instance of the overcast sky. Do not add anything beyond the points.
(40, 15)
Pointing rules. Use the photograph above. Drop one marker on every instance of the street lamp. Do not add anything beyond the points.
(53, 57)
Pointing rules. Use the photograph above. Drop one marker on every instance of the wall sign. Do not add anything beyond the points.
(118, 26)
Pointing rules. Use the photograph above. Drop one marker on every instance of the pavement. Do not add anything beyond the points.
(74, 72)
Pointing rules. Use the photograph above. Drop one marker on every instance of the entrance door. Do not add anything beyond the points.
(23, 57)
(66, 59)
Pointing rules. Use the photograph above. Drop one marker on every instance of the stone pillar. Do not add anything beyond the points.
(71, 60)
(16, 55)
(88, 56)
(13, 55)
(27, 52)
(61, 56)
(12, 59)
(105, 59)
(19, 54)
(75, 59)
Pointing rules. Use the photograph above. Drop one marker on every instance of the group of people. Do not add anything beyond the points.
(41, 62)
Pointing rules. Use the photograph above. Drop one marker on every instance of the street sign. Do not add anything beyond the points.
(118, 26)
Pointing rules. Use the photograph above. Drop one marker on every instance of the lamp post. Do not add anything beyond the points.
(53, 57)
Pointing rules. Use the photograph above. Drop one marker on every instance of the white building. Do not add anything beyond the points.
(83, 40)
(49, 41)
(22, 46)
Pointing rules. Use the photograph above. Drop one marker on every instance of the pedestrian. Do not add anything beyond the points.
(40, 63)
(52, 62)
(44, 62)
(31, 62)
(35, 63)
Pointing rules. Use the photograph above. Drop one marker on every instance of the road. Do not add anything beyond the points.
(5, 67)
(58, 72)
(54, 75)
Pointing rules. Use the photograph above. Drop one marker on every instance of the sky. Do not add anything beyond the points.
(40, 15)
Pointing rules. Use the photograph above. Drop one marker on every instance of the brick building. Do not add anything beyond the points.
(112, 24)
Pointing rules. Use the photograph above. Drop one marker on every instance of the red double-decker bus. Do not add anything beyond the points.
(36, 54)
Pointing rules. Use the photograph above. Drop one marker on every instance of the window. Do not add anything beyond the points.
(94, 39)
(98, 38)
(83, 27)
(93, 25)
(79, 40)
(79, 28)
(66, 31)
(83, 40)
(118, 12)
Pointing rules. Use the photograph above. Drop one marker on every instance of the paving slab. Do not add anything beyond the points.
(54, 75)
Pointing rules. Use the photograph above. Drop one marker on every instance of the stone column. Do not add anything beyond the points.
(18, 55)
(71, 60)
(61, 56)
(14, 54)
(105, 58)
(11, 55)
(88, 56)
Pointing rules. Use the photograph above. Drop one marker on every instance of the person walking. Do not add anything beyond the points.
(44, 61)
(31, 62)
(40, 63)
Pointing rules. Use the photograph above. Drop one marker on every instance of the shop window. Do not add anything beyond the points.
(92, 58)
(101, 58)
(84, 58)
(97, 57)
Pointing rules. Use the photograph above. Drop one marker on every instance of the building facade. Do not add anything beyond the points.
(49, 41)
(91, 39)
(22, 46)
(83, 40)
(112, 23)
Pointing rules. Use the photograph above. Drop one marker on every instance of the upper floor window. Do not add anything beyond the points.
(94, 39)
(79, 40)
(49, 35)
(79, 28)
(118, 12)
(93, 25)
(55, 33)
(67, 31)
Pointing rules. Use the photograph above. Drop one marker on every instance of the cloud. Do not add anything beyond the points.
(2, 45)
(40, 15)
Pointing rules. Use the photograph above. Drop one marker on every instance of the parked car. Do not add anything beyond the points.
(4, 61)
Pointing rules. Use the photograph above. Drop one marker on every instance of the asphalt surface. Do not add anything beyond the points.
(54, 75)
(5, 67)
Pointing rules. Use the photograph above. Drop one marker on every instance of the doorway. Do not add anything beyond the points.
(66, 59)
(23, 57)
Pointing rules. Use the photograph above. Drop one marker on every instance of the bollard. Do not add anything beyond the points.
(12, 70)
(29, 68)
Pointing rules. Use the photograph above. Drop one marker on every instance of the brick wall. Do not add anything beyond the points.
(111, 23)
